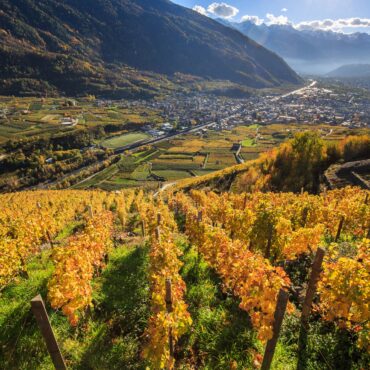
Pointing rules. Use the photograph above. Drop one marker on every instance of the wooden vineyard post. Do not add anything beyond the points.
(39, 311)
(23, 272)
(38, 204)
(281, 305)
(158, 234)
(245, 201)
(143, 228)
(311, 289)
(89, 209)
(307, 304)
(50, 238)
(340, 226)
(157, 229)
(169, 310)
(199, 219)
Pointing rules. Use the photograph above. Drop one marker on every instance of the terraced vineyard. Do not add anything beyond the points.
(190, 280)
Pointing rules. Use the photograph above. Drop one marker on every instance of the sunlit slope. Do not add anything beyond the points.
(91, 47)
(295, 165)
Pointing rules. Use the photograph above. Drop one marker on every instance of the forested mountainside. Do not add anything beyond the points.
(102, 47)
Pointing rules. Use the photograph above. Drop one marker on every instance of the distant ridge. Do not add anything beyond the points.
(91, 46)
(351, 71)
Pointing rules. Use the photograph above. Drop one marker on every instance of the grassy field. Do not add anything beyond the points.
(195, 154)
(123, 140)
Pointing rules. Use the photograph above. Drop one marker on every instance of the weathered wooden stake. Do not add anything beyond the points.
(200, 219)
(311, 289)
(48, 235)
(325, 192)
(90, 210)
(39, 311)
(158, 233)
(50, 239)
(281, 305)
(340, 226)
(307, 305)
(169, 310)
(245, 201)
(304, 216)
(159, 219)
(143, 228)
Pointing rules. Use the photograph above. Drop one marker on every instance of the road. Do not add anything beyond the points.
(312, 84)
(163, 188)
(140, 144)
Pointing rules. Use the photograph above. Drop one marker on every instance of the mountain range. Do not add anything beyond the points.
(351, 71)
(308, 51)
(103, 46)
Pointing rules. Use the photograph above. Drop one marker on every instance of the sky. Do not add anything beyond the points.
(336, 15)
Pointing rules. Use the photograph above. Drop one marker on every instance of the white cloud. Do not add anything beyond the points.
(227, 11)
(280, 19)
(252, 18)
(334, 25)
(223, 10)
(200, 9)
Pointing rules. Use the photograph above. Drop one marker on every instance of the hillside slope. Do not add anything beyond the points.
(74, 47)
(351, 71)
(295, 165)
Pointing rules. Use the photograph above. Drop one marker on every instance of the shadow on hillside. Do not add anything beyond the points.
(221, 331)
(124, 309)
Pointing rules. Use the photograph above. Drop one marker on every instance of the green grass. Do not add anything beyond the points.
(122, 310)
(123, 140)
(147, 155)
(22, 346)
(70, 229)
(221, 334)
(170, 175)
(96, 179)
(141, 172)
(248, 142)
(109, 337)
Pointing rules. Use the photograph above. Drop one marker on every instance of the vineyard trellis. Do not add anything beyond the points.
(248, 239)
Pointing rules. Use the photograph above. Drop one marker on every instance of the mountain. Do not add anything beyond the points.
(351, 71)
(308, 51)
(98, 46)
